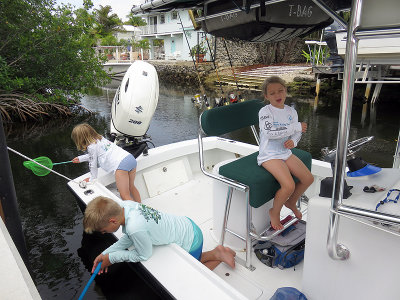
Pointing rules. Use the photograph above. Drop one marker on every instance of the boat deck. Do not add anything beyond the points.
(15, 283)
(195, 200)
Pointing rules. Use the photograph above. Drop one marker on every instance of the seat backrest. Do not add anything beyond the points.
(227, 118)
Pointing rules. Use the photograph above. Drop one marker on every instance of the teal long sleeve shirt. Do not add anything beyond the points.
(145, 227)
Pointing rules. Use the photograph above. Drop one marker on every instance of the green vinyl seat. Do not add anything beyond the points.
(262, 185)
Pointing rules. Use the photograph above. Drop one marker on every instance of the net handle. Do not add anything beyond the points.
(82, 184)
(64, 162)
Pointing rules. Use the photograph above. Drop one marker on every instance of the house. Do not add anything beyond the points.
(129, 33)
(167, 37)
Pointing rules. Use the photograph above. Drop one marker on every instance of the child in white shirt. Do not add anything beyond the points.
(280, 131)
(108, 156)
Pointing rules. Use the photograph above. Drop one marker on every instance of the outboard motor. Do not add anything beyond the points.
(133, 107)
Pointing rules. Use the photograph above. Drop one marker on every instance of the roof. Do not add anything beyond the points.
(165, 5)
(130, 28)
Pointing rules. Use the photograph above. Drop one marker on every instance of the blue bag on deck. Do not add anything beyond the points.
(285, 250)
(288, 293)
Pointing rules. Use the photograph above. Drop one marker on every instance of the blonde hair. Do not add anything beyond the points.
(270, 80)
(83, 135)
(98, 212)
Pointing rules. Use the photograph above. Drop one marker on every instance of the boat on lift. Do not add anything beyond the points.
(359, 261)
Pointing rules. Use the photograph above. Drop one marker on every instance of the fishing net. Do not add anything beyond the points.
(37, 169)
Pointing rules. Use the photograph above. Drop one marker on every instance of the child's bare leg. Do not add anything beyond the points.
(298, 169)
(122, 181)
(280, 171)
(132, 188)
(213, 258)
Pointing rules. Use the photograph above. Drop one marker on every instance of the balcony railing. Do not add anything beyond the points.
(148, 29)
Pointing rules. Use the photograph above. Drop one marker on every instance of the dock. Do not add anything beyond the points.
(15, 280)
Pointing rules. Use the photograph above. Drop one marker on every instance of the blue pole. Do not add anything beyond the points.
(90, 281)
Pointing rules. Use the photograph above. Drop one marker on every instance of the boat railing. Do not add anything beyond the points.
(355, 32)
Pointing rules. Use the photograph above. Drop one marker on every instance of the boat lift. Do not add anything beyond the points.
(377, 57)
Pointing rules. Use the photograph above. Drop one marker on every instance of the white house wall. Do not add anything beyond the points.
(175, 44)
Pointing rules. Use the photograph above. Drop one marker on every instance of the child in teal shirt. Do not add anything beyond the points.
(144, 227)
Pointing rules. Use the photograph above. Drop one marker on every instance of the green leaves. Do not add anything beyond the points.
(46, 51)
(135, 21)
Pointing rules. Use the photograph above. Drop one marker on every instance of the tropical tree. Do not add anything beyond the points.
(107, 22)
(46, 53)
(135, 21)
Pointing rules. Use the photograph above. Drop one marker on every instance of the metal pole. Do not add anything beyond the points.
(396, 160)
(335, 250)
(8, 199)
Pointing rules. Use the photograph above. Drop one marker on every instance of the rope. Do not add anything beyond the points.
(194, 63)
(230, 62)
(215, 66)
(26, 157)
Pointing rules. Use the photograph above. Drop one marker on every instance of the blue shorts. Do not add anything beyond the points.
(128, 163)
(197, 246)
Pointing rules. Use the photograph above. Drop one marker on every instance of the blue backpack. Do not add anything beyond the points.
(288, 293)
(285, 250)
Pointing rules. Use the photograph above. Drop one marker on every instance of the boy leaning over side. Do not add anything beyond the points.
(144, 227)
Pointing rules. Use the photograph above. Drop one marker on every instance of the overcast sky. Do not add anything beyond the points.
(120, 7)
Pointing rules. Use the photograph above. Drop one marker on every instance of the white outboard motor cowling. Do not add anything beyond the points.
(135, 101)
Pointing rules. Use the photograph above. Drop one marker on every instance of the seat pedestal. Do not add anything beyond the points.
(237, 214)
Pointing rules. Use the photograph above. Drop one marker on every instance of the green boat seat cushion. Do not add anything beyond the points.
(223, 119)
(262, 184)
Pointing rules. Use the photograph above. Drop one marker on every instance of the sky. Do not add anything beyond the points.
(121, 7)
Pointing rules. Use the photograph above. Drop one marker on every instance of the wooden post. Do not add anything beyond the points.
(8, 200)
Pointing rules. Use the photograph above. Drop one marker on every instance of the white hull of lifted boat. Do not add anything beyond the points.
(169, 179)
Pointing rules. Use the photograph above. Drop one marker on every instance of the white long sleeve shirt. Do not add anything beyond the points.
(276, 127)
(145, 227)
(103, 154)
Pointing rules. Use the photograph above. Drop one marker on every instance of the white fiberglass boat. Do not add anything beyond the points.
(183, 178)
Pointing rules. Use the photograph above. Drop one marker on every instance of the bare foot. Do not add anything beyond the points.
(231, 251)
(275, 220)
(226, 256)
(295, 210)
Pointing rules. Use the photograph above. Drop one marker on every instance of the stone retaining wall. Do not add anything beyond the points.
(245, 53)
(241, 54)
(181, 72)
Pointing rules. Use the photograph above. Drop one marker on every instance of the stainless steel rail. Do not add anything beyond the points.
(396, 159)
(232, 183)
(377, 33)
(335, 250)
(368, 214)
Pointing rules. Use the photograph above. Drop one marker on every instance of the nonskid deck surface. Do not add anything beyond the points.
(194, 200)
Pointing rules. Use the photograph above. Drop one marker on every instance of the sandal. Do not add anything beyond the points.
(368, 189)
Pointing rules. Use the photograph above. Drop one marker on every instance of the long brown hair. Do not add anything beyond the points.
(83, 135)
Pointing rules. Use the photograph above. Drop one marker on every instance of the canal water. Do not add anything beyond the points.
(52, 221)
